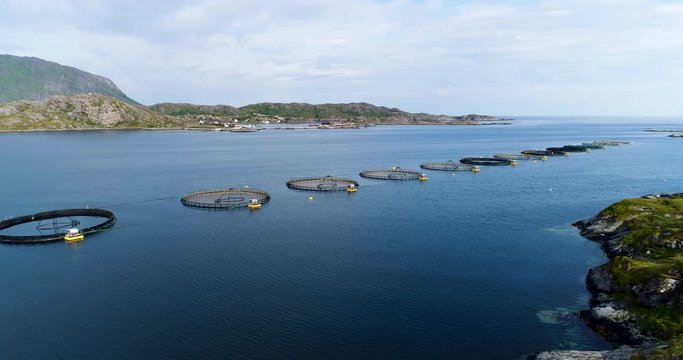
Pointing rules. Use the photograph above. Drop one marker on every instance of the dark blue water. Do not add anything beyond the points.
(462, 266)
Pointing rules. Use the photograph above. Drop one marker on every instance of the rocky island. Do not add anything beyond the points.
(96, 111)
(42, 95)
(636, 297)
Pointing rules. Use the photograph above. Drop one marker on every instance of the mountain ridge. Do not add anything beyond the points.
(32, 78)
(37, 94)
(297, 112)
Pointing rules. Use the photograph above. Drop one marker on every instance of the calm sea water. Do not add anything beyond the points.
(462, 266)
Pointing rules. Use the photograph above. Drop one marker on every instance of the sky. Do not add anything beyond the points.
(602, 57)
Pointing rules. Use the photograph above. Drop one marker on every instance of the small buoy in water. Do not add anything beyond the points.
(310, 198)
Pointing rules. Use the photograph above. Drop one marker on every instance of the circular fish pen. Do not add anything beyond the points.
(449, 165)
(225, 198)
(578, 148)
(544, 153)
(520, 157)
(612, 142)
(593, 145)
(395, 173)
(324, 183)
(567, 149)
(52, 224)
(484, 161)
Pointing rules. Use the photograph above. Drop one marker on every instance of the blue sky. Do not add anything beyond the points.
(602, 57)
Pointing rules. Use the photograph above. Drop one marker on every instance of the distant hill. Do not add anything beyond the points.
(30, 78)
(89, 111)
(175, 109)
(362, 113)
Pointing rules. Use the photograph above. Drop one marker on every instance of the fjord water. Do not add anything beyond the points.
(462, 266)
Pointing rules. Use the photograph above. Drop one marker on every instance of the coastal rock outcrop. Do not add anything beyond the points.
(87, 111)
(637, 297)
(624, 352)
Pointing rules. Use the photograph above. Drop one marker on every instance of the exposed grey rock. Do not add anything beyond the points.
(600, 279)
(7, 110)
(597, 228)
(656, 292)
(613, 324)
(624, 352)
(605, 230)
(608, 313)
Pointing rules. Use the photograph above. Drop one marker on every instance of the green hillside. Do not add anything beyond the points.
(30, 78)
(89, 111)
(361, 113)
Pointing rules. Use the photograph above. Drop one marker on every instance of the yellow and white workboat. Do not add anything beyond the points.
(254, 204)
(351, 188)
(73, 235)
(423, 177)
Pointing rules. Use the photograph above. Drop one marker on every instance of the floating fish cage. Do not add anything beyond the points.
(578, 148)
(325, 183)
(395, 173)
(545, 153)
(449, 165)
(51, 225)
(225, 198)
(593, 146)
(569, 149)
(487, 161)
(612, 142)
(520, 157)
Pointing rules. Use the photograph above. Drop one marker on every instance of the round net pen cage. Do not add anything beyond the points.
(449, 165)
(612, 142)
(324, 183)
(52, 225)
(593, 146)
(225, 198)
(395, 173)
(567, 149)
(578, 148)
(520, 157)
(544, 153)
(486, 161)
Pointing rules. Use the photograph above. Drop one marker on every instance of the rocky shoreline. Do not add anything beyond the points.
(638, 294)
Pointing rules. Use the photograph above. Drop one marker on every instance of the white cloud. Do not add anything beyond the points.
(433, 56)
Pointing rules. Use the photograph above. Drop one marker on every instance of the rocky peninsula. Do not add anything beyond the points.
(95, 111)
(636, 297)
(40, 95)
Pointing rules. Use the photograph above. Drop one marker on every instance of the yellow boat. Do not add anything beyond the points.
(351, 188)
(254, 204)
(476, 169)
(423, 177)
(73, 235)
